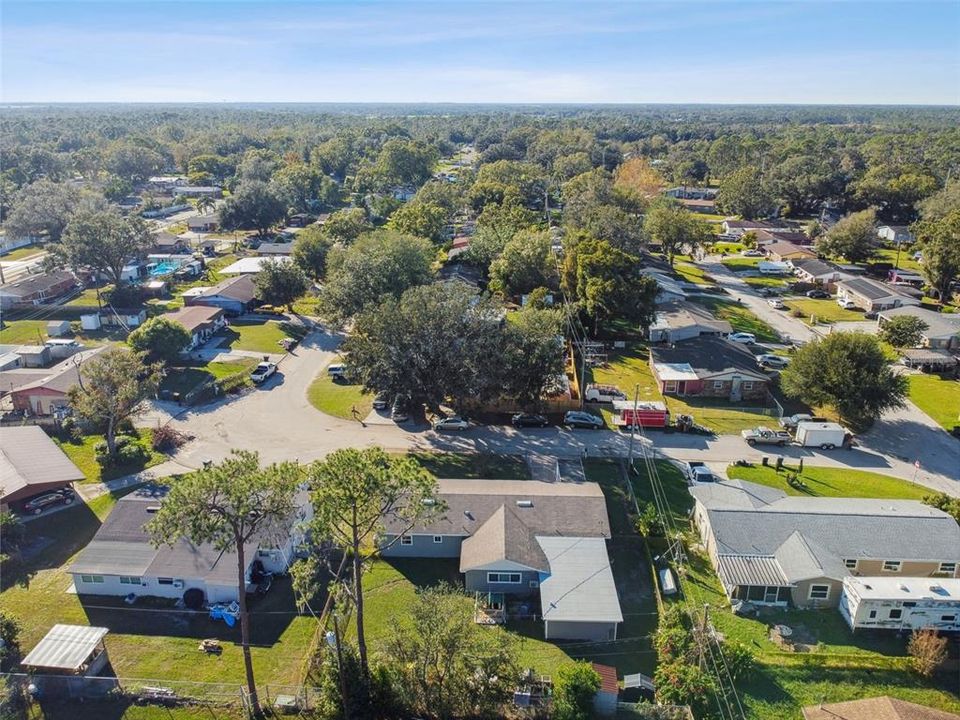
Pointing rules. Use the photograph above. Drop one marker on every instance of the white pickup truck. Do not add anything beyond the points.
(697, 472)
(603, 393)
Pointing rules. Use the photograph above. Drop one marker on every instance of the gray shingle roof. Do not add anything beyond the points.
(816, 268)
(503, 537)
(870, 289)
(709, 356)
(938, 324)
(240, 288)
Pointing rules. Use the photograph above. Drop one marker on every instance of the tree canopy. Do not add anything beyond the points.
(102, 241)
(254, 205)
(854, 237)
(280, 283)
(160, 339)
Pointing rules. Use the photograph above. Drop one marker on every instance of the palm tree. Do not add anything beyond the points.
(206, 203)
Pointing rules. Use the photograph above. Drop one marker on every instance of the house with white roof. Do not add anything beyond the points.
(681, 320)
(771, 548)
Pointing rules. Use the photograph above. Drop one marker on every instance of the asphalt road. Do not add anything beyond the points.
(276, 420)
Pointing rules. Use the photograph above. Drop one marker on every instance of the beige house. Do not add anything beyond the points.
(774, 549)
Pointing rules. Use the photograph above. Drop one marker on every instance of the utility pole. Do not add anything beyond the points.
(633, 428)
(583, 374)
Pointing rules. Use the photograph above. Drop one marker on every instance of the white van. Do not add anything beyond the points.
(337, 371)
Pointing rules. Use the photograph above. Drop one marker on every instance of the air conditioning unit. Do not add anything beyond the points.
(178, 583)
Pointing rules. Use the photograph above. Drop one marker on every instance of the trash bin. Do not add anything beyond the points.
(765, 461)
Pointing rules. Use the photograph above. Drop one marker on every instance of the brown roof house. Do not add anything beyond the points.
(31, 463)
(709, 367)
(200, 321)
(235, 295)
(781, 251)
(36, 289)
(877, 708)
(542, 540)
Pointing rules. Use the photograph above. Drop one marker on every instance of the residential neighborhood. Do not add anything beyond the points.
(458, 361)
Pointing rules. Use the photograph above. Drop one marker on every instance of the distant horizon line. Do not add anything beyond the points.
(40, 103)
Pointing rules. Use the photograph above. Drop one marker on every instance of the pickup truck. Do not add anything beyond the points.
(766, 436)
(697, 472)
(603, 393)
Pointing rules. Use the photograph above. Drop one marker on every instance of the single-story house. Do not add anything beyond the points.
(524, 538)
(121, 559)
(234, 295)
(200, 321)
(685, 192)
(203, 223)
(872, 296)
(741, 227)
(164, 242)
(34, 356)
(37, 289)
(943, 329)
(901, 603)
(782, 251)
(668, 288)
(275, 249)
(771, 548)
(895, 233)
(708, 366)
(817, 272)
(681, 320)
(166, 182)
(31, 463)
(198, 191)
(929, 359)
(249, 265)
(876, 708)
(44, 395)
(300, 220)
(765, 237)
(708, 207)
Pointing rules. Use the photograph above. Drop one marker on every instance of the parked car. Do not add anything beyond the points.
(790, 422)
(454, 422)
(529, 420)
(776, 304)
(697, 472)
(399, 412)
(603, 393)
(580, 419)
(766, 436)
(743, 337)
(381, 401)
(752, 253)
(817, 294)
(38, 503)
(769, 292)
(262, 371)
(337, 371)
(847, 304)
(772, 362)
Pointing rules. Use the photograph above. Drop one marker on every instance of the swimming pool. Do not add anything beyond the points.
(164, 268)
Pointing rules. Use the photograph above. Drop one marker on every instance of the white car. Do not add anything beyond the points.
(262, 371)
(752, 253)
(776, 303)
(743, 337)
(451, 423)
(846, 304)
(775, 362)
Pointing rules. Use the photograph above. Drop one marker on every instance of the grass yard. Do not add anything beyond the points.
(473, 465)
(832, 482)
(339, 398)
(21, 253)
(184, 379)
(147, 640)
(906, 262)
(88, 297)
(124, 710)
(766, 281)
(727, 247)
(825, 311)
(23, 332)
(255, 336)
(740, 263)
(720, 416)
(740, 317)
(938, 397)
(842, 666)
(692, 273)
(83, 455)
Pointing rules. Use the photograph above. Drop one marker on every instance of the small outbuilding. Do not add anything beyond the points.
(605, 699)
(69, 650)
(58, 328)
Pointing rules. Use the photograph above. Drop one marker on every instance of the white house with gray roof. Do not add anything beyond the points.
(943, 329)
(872, 296)
(768, 547)
(524, 538)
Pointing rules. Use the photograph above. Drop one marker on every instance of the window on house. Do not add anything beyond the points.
(670, 386)
(851, 564)
(438, 539)
(896, 614)
(747, 386)
(406, 540)
(165, 581)
(91, 578)
(873, 614)
(948, 567)
(718, 384)
(891, 565)
(948, 618)
(129, 580)
(819, 592)
(513, 578)
(910, 603)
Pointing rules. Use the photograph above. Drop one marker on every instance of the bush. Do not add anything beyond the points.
(574, 689)
(797, 313)
(129, 452)
(165, 438)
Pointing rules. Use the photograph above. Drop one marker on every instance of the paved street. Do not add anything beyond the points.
(277, 420)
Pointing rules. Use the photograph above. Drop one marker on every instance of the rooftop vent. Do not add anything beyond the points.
(903, 587)
(468, 514)
(524, 503)
(153, 508)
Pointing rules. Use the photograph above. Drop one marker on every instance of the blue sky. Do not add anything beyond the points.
(469, 51)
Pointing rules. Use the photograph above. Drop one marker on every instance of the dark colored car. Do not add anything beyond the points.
(818, 294)
(381, 401)
(39, 503)
(529, 420)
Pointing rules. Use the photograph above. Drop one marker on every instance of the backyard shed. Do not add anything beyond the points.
(69, 650)
(58, 328)
(605, 699)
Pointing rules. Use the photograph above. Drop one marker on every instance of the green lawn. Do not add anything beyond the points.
(825, 311)
(339, 398)
(125, 710)
(20, 253)
(740, 263)
(473, 465)
(727, 247)
(765, 281)
(722, 417)
(256, 336)
(842, 666)
(88, 297)
(23, 332)
(740, 317)
(938, 397)
(692, 273)
(150, 639)
(184, 379)
(889, 255)
(83, 455)
(832, 482)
